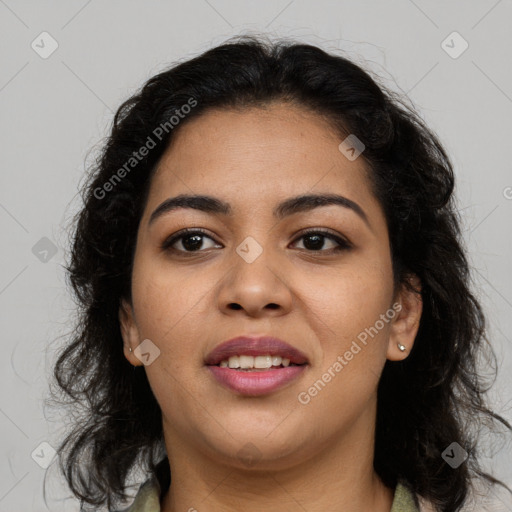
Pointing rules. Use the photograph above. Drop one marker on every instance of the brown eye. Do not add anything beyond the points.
(191, 240)
(314, 240)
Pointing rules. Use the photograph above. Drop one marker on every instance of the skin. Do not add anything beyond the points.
(316, 456)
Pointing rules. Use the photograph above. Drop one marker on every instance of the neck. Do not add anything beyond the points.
(339, 477)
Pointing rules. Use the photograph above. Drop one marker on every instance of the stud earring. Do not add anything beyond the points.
(130, 349)
(401, 347)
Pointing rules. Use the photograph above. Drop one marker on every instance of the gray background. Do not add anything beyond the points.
(55, 109)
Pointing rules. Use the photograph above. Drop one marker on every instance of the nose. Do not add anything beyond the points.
(257, 287)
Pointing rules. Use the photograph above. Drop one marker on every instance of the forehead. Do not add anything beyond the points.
(258, 155)
(271, 131)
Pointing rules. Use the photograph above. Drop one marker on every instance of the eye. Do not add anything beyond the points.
(315, 239)
(190, 239)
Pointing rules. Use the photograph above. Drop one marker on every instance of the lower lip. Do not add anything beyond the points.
(256, 383)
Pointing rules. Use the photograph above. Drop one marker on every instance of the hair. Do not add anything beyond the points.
(434, 397)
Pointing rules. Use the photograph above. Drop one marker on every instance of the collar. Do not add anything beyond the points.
(148, 498)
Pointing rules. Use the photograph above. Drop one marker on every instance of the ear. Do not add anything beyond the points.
(129, 332)
(405, 324)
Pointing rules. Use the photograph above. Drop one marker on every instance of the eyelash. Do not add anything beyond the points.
(343, 244)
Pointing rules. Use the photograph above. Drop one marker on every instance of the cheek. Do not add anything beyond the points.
(349, 300)
(171, 312)
(351, 360)
(169, 302)
(346, 311)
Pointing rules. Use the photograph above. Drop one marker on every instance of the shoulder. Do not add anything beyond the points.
(147, 498)
(405, 500)
(482, 498)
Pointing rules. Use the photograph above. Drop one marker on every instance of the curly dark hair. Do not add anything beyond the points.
(433, 398)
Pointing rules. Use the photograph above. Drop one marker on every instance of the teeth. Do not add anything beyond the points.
(276, 360)
(262, 362)
(258, 362)
(234, 362)
(246, 361)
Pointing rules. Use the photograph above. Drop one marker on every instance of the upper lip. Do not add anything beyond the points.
(255, 346)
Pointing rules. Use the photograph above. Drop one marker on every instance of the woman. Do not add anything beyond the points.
(276, 311)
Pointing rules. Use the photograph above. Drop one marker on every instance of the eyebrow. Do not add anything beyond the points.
(293, 205)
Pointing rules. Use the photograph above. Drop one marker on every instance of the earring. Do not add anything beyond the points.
(401, 347)
(130, 349)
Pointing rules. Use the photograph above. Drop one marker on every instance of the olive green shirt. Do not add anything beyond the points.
(148, 498)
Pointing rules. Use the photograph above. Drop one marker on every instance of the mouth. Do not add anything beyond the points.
(255, 366)
(256, 363)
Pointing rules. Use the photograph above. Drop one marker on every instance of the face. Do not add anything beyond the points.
(251, 272)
